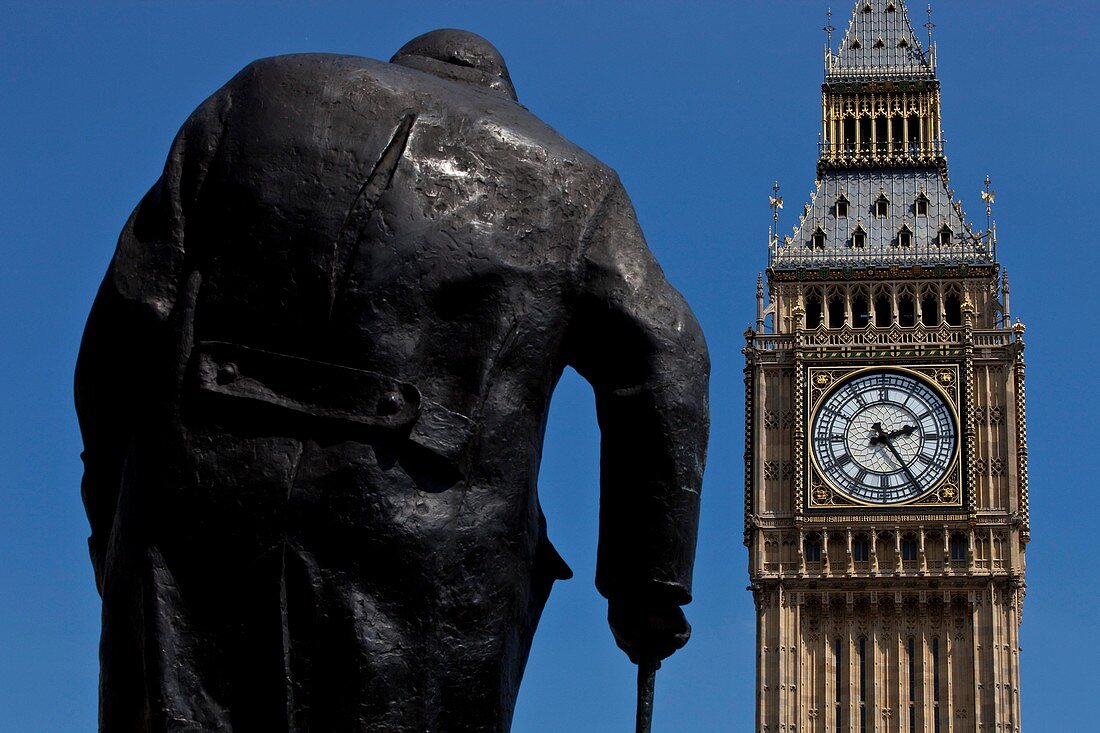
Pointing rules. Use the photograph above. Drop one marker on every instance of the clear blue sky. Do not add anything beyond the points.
(699, 106)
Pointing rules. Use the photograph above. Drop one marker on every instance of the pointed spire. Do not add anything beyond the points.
(879, 41)
(759, 302)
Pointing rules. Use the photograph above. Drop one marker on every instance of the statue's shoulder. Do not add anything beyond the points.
(305, 71)
(369, 87)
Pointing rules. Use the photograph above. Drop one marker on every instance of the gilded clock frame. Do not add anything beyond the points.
(945, 379)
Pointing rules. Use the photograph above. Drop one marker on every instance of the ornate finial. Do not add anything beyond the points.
(759, 285)
(1018, 328)
(988, 196)
(776, 202)
(929, 25)
(829, 27)
(798, 312)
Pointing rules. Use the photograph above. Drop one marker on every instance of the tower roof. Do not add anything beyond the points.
(879, 43)
(879, 204)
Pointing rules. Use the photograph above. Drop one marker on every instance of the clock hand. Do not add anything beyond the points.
(907, 430)
(904, 467)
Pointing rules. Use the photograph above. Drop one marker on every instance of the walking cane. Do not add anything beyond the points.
(647, 675)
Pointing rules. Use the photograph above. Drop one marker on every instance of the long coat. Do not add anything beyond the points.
(313, 390)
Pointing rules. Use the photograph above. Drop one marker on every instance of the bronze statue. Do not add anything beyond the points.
(313, 389)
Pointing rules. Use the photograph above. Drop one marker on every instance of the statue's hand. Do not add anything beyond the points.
(647, 629)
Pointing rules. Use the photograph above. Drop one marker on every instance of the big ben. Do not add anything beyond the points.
(886, 509)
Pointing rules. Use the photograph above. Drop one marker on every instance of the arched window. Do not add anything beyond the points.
(929, 309)
(861, 549)
(952, 309)
(811, 548)
(897, 135)
(959, 547)
(884, 548)
(883, 310)
(836, 311)
(907, 310)
(908, 548)
(813, 311)
(860, 312)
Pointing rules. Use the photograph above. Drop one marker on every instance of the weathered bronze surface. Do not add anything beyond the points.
(313, 389)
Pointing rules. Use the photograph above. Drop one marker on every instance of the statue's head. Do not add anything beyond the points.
(458, 56)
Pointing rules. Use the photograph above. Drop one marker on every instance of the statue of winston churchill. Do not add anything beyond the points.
(313, 389)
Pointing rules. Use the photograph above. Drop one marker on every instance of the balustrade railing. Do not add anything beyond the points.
(817, 568)
(911, 152)
(847, 336)
(798, 255)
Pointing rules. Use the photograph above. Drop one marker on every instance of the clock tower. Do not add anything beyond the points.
(886, 509)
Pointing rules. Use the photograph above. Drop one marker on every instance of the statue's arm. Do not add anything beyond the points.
(127, 342)
(635, 340)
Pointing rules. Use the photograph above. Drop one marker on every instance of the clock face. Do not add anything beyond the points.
(884, 437)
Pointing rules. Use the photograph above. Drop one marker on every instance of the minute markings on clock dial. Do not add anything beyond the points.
(884, 437)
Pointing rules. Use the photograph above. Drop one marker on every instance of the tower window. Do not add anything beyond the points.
(905, 236)
(841, 207)
(879, 43)
(836, 312)
(882, 205)
(813, 312)
(907, 311)
(908, 548)
(861, 315)
(883, 311)
(952, 310)
(882, 125)
(922, 205)
(958, 547)
(890, 7)
(867, 8)
(897, 135)
(929, 310)
(945, 235)
(817, 240)
(903, 43)
(861, 549)
(859, 238)
(811, 548)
